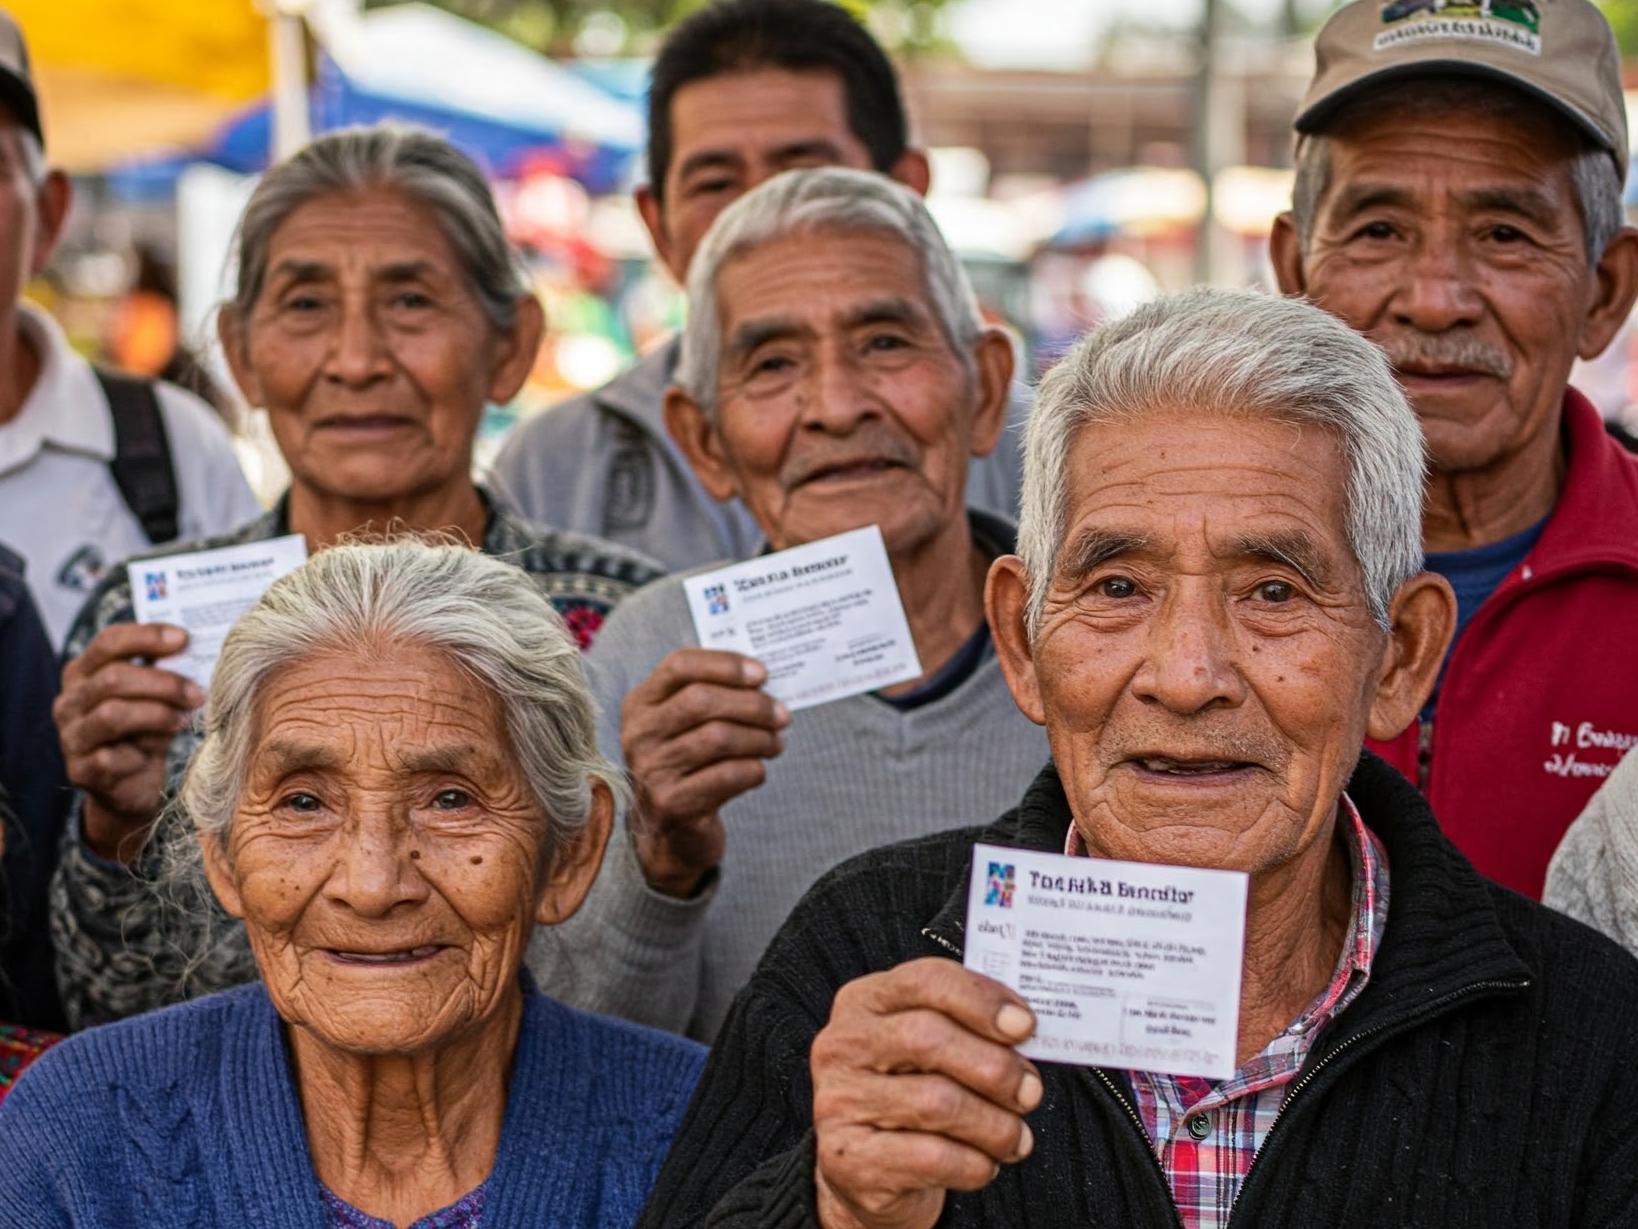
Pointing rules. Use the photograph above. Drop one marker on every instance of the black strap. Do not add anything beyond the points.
(142, 466)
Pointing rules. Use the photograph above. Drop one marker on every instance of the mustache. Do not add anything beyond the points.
(1459, 350)
(859, 447)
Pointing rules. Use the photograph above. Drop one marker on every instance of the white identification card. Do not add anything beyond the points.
(1125, 964)
(205, 591)
(824, 618)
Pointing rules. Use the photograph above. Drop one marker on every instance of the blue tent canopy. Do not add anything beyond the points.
(499, 102)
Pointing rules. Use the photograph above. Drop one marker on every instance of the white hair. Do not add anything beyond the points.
(1238, 354)
(486, 616)
(811, 202)
(34, 159)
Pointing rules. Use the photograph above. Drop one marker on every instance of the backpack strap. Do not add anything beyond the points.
(142, 467)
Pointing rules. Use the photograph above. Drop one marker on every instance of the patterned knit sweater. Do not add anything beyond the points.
(190, 1116)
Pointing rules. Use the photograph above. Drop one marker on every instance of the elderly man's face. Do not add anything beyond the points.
(1455, 242)
(387, 855)
(729, 133)
(1206, 667)
(840, 402)
(31, 214)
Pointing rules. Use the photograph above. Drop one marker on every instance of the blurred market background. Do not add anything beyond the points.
(1087, 153)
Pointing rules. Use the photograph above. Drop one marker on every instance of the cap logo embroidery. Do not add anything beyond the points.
(1512, 23)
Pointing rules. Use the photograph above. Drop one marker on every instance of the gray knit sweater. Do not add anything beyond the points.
(1594, 875)
(854, 774)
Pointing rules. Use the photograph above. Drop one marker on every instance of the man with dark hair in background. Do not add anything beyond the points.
(741, 90)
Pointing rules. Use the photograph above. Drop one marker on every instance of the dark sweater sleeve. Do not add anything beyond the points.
(738, 1155)
(31, 771)
(745, 1155)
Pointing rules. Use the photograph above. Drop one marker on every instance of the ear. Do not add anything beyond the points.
(993, 364)
(913, 170)
(575, 866)
(53, 199)
(1421, 622)
(697, 436)
(219, 871)
(1285, 254)
(1616, 281)
(230, 331)
(1006, 598)
(516, 350)
(652, 212)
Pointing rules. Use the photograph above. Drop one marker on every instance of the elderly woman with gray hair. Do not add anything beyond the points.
(378, 307)
(398, 780)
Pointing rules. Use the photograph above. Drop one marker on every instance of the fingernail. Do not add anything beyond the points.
(173, 637)
(1014, 1021)
(1029, 1091)
(1026, 1140)
(194, 695)
(754, 672)
(781, 714)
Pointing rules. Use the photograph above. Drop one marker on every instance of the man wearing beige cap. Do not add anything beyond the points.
(1458, 201)
(93, 469)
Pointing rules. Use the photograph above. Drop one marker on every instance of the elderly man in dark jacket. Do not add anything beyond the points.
(1218, 597)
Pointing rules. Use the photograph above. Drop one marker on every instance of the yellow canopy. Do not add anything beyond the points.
(118, 78)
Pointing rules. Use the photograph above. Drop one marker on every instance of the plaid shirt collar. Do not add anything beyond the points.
(1206, 1134)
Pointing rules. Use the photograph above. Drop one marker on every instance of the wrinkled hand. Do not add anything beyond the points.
(116, 717)
(917, 1091)
(694, 734)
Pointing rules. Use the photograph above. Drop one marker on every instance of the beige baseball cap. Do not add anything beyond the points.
(16, 82)
(1561, 51)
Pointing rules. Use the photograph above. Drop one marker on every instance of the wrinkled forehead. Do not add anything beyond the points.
(339, 708)
(865, 274)
(1194, 486)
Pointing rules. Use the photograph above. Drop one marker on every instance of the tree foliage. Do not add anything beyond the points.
(1623, 15)
(633, 27)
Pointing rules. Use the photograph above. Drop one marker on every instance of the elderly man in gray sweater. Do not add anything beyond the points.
(835, 373)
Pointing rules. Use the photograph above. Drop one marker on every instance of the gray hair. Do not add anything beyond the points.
(808, 202)
(400, 158)
(1597, 180)
(1238, 354)
(488, 617)
(34, 159)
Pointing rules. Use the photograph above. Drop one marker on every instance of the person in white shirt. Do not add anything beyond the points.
(60, 505)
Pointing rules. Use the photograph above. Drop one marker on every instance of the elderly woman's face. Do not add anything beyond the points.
(370, 351)
(386, 854)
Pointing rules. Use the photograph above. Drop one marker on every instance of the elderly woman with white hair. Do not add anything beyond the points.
(398, 781)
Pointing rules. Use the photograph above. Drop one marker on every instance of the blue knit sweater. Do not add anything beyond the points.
(189, 1116)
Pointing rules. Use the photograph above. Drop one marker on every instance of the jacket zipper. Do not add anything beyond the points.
(930, 933)
(1433, 1008)
(1148, 1144)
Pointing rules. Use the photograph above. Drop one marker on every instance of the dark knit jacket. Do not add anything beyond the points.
(1483, 1078)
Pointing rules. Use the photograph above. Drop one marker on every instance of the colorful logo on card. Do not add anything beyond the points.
(999, 884)
(154, 583)
(716, 599)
